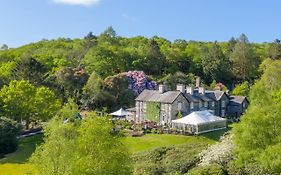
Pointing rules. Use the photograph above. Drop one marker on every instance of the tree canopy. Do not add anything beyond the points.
(81, 147)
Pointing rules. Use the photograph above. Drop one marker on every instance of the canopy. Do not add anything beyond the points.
(198, 118)
(121, 112)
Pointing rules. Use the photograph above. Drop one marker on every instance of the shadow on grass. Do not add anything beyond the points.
(215, 135)
(26, 147)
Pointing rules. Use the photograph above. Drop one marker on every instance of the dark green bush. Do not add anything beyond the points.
(9, 130)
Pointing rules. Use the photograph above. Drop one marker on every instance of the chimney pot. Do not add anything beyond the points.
(162, 88)
(190, 90)
(181, 88)
(202, 90)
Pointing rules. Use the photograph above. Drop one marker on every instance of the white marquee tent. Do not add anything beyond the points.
(121, 113)
(199, 122)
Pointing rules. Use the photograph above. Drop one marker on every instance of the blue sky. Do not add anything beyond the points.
(25, 21)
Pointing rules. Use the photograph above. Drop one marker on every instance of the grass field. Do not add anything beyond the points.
(16, 163)
(150, 141)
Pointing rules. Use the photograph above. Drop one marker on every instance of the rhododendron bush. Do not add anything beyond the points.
(138, 82)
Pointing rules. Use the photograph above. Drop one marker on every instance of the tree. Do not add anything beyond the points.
(256, 137)
(242, 89)
(274, 50)
(81, 147)
(21, 100)
(31, 70)
(215, 64)
(71, 81)
(244, 61)
(171, 80)
(9, 130)
(117, 86)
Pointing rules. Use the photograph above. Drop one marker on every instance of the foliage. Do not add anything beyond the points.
(138, 82)
(117, 87)
(171, 80)
(21, 100)
(9, 130)
(243, 60)
(71, 81)
(274, 50)
(153, 111)
(86, 147)
(242, 89)
(212, 169)
(220, 153)
(30, 69)
(257, 137)
(216, 65)
(165, 160)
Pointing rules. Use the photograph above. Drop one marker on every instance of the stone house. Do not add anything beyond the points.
(183, 101)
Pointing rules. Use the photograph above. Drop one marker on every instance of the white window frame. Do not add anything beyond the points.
(213, 103)
(206, 104)
(222, 112)
(223, 103)
(191, 105)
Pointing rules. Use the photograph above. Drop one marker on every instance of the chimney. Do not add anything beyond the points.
(198, 82)
(181, 88)
(190, 90)
(201, 90)
(162, 88)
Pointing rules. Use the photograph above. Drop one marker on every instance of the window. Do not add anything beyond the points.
(206, 104)
(222, 112)
(144, 106)
(179, 106)
(200, 104)
(223, 104)
(191, 105)
(213, 104)
(244, 105)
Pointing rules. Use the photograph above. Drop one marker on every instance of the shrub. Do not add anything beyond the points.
(168, 160)
(212, 169)
(9, 130)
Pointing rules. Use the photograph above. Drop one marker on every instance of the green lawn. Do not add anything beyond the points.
(150, 141)
(15, 163)
(26, 148)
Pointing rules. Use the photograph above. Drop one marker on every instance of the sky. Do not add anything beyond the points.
(26, 21)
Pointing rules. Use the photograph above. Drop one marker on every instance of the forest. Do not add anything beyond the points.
(98, 70)
(56, 79)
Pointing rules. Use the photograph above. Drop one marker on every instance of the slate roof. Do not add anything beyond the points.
(155, 96)
(191, 98)
(170, 96)
(237, 99)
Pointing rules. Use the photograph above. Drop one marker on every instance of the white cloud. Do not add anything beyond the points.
(78, 2)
